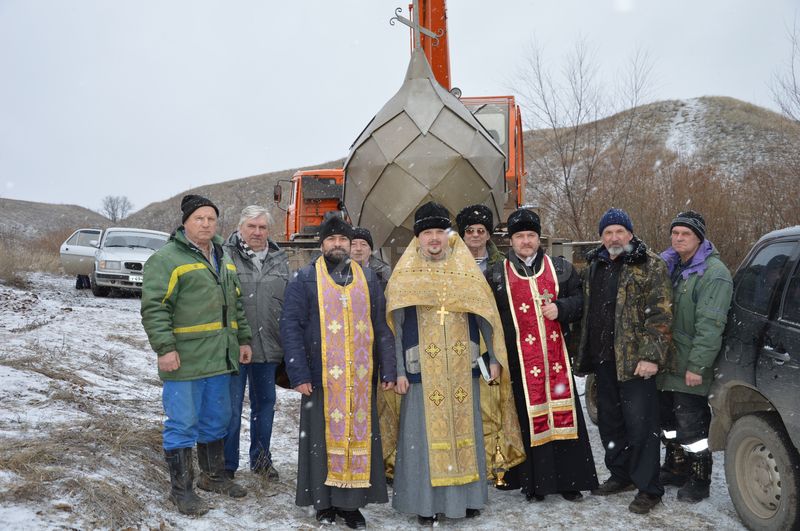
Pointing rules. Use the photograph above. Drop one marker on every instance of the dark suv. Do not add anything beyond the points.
(756, 394)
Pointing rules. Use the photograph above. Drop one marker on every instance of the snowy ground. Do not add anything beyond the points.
(79, 445)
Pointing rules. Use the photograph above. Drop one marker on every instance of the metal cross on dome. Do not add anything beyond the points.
(415, 26)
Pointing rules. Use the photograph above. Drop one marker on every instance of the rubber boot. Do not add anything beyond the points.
(212, 471)
(699, 483)
(675, 470)
(181, 476)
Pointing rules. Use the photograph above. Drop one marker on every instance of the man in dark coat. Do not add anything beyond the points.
(625, 341)
(263, 271)
(361, 251)
(475, 226)
(536, 323)
(337, 345)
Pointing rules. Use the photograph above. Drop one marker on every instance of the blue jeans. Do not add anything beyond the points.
(262, 411)
(196, 410)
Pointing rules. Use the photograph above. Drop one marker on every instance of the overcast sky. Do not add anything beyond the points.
(148, 98)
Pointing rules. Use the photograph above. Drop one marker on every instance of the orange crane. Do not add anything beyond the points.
(499, 115)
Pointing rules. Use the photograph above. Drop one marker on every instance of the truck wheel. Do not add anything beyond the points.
(590, 390)
(99, 291)
(762, 469)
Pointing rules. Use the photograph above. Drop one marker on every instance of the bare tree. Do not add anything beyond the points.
(786, 83)
(582, 142)
(116, 207)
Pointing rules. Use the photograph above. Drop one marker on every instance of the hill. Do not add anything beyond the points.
(27, 219)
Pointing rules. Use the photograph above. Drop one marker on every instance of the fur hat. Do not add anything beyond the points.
(334, 224)
(474, 215)
(192, 202)
(692, 220)
(523, 219)
(431, 216)
(615, 216)
(360, 233)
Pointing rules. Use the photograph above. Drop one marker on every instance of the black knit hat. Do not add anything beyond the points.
(523, 219)
(474, 215)
(334, 224)
(192, 202)
(692, 220)
(615, 216)
(360, 233)
(431, 216)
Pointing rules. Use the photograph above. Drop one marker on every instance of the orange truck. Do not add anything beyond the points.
(314, 192)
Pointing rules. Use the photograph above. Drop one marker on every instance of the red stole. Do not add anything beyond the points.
(543, 358)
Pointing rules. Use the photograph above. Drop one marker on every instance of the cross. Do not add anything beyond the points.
(415, 26)
(460, 395)
(442, 312)
(343, 300)
(459, 347)
(432, 350)
(546, 296)
(436, 397)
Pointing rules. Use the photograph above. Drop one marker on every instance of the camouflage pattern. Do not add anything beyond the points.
(643, 314)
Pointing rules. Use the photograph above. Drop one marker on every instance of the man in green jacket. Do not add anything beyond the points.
(701, 295)
(193, 315)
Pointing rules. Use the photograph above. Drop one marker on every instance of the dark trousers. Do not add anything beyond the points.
(629, 428)
(687, 414)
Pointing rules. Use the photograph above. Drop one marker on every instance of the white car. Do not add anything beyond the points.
(113, 258)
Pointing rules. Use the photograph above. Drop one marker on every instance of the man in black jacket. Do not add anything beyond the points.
(537, 297)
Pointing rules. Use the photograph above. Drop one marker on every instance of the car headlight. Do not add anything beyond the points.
(110, 264)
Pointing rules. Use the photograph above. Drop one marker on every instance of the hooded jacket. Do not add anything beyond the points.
(643, 314)
(190, 307)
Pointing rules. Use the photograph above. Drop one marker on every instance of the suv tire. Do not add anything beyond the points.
(99, 291)
(762, 470)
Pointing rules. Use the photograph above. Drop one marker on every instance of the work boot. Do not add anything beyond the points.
(699, 483)
(181, 476)
(268, 471)
(675, 470)
(612, 486)
(326, 516)
(212, 471)
(352, 519)
(643, 503)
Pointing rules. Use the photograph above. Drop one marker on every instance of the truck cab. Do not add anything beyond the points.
(313, 193)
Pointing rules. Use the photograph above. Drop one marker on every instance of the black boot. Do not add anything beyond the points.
(696, 489)
(675, 470)
(181, 476)
(212, 471)
(352, 519)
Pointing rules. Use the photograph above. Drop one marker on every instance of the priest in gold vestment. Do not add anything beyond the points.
(440, 306)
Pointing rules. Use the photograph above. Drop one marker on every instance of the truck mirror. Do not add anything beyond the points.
(277, 192)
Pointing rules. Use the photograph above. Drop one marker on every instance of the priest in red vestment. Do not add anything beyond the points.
(537, 297)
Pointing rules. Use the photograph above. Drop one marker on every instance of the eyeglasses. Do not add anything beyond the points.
(479, 231)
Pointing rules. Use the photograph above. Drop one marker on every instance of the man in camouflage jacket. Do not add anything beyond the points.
(625, 340)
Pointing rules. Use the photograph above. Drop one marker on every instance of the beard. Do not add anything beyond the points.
(335, 255)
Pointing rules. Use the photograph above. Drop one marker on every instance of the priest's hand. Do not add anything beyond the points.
(169, 362)
(387, 385)
(645, 369)
(693, 379)
(304, 389)
(402, 385)
(245, 354)
(494, 371)
(550, 311)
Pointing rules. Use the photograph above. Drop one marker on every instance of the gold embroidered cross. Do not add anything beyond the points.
(337, 416)
(361, 327)
(343, 300)
(530, 339)
(436, 397)
(442, 312)
(554, 336)
(334, 326)
(336, 371)
(361, 372)
(459, 348)
(535, 371)
(557, 367)
(460, 394)
(361, 416)
(524, 308)
(432, 350)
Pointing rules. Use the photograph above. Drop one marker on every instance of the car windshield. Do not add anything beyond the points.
(135, 239)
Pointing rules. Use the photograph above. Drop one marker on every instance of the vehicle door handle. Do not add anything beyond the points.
(778, 358)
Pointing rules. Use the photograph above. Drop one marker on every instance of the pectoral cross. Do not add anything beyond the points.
(343, 300)
(442, 312)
